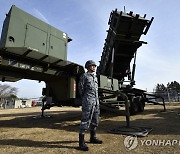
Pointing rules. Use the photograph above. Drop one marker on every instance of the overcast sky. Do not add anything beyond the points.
(85, 21)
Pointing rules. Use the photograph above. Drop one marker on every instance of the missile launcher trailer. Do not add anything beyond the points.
(33, 49)
(120, 48)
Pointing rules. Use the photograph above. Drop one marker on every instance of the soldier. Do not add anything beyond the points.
(88, 89)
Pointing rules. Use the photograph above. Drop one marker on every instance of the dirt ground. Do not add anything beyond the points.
(20, 132)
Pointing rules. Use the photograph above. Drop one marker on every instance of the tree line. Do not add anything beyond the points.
(171, 86)
(170, 92)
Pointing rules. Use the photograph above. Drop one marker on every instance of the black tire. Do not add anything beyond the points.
(141, 105)
(133, 108)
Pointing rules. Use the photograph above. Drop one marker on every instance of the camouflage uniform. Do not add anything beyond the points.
(88, 89)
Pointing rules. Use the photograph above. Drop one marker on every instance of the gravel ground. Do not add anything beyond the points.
(20, 132)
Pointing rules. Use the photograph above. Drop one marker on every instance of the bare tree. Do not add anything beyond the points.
(7, 91)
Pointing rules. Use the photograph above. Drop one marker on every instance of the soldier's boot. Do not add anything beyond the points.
(93, 138)
(82, 145)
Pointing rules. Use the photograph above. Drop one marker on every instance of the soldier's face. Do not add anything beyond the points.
(92, 68)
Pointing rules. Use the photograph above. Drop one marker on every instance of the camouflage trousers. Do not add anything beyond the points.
(90, 118)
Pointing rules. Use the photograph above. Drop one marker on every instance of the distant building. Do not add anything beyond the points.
(15, 103)
(23, 103)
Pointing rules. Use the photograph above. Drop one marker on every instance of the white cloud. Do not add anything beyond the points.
(40, 15)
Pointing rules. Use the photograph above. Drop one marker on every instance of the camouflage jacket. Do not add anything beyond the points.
(88, 88)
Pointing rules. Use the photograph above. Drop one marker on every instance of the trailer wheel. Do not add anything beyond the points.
(141, 105)
(133, 108)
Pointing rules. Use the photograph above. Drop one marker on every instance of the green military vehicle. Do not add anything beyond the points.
(32, 49)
